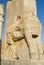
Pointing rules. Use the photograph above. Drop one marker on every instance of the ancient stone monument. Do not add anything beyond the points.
(23, 32)
(1, 20)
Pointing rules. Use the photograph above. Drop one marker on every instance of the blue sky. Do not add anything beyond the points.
(40, 14)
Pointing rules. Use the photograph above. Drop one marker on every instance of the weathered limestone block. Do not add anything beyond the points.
(1, 19)
(23, 31)
(35, 34)
(7, 53)
(18, 50)
(31, 25)
(1, 9)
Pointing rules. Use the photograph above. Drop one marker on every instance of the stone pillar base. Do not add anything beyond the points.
(23, 62)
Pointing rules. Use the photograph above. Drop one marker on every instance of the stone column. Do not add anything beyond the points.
(1, 20)
(29, 9)
(32, 26)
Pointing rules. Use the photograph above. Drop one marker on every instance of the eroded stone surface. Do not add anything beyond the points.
(1, 19)
(23, 32)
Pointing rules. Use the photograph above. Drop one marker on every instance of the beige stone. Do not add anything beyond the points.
(1, 9)
(23, 32)
(1, 20)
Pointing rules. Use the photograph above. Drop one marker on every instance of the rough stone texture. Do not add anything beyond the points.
(23, 62)
(43, 48)
(1, 19)
(23, 34)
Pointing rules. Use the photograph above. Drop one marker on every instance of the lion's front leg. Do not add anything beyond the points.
(11, 46)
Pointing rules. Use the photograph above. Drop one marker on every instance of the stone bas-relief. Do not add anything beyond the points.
(23, 32)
